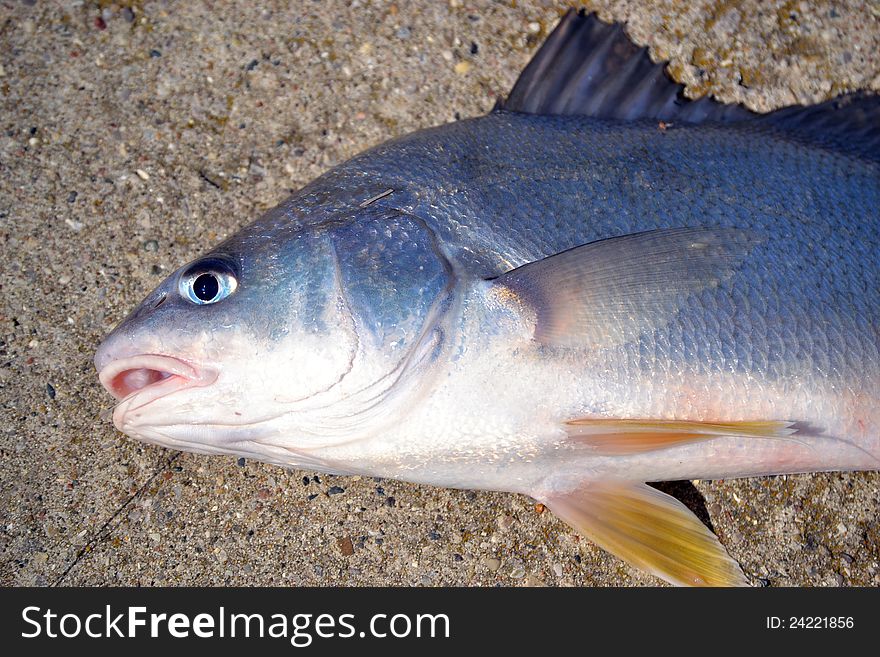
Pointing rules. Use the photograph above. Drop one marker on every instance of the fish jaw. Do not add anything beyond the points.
(139, 380)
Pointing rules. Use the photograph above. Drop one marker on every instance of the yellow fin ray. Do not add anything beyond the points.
(613, 437)
(649, 529)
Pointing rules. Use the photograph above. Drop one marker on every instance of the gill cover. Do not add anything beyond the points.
(394, 279)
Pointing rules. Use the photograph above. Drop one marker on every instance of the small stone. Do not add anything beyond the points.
(151, 245)
(127, 14)
(518, 573)
(390, 501)
(143, 175)
(533, 27)
(533, 580)
(71, 197)
(50, 390)
(335, 490)
(241, 462)
(540, 508)
(346, 546)
(504, 522)
(492, 563)
(447, 55)
(155, 537)
(155, 53)
(434, 535)
(557, 569)
(463, 67)
(404, 33)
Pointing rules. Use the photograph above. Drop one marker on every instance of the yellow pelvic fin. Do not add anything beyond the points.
(614, 437)
(650, 530)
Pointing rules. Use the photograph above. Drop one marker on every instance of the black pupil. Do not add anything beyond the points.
(206, 287)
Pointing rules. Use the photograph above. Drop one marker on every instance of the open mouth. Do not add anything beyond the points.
(149, 377)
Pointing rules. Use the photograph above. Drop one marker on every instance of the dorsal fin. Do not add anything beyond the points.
(849, 123)
(590, 68)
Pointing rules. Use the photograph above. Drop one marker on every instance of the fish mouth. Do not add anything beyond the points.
(142, 379)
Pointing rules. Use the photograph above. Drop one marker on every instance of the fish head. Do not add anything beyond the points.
(283, 340)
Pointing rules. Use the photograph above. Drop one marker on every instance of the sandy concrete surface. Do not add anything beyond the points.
(136, 135)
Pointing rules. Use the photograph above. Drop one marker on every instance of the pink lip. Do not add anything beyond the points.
(146, 377)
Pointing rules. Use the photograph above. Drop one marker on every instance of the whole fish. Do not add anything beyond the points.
(598, 284)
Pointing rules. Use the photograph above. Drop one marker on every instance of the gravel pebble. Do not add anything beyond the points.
(492, 563)
(346, 546)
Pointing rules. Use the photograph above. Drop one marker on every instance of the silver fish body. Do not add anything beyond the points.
(557, 305)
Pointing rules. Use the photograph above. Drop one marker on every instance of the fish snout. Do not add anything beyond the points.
(149, 376)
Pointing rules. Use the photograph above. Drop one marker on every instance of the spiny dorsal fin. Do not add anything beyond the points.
(590, 68)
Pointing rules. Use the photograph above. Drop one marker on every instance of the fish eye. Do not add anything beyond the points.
(208, 281)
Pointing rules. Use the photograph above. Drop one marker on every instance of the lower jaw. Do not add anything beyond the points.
(260, 441)
(134, 407)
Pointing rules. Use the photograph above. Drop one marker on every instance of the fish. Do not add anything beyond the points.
(598, 284)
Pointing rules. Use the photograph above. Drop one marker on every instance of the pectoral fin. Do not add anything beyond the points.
(609, 292)
(613, 437)
(650, 530)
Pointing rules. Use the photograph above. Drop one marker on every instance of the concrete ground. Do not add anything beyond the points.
(135, 135)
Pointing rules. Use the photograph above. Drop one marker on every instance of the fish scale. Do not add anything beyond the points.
(506, 229)
(598, 284)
